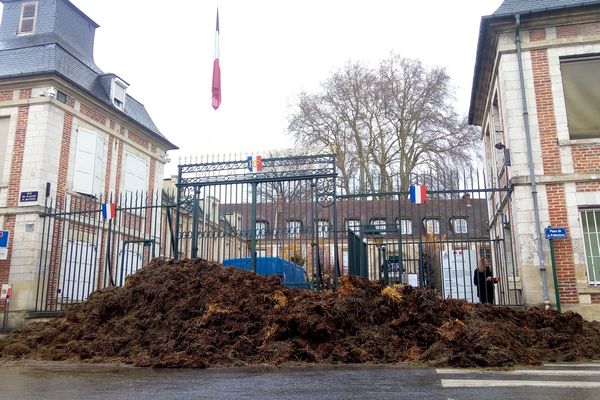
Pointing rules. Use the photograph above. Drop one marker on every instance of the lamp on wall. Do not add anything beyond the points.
(501, 146)
(50, 92)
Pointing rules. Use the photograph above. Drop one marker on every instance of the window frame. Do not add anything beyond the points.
(435, 224)
(263, 229)
(126, 182)
(323, 223)
(405, 226)
(81, 166)
(118, 102)
(453, 222)
(296, 230)
(22, 19)
(564, 75)
(379, 227)
(353, 224)
(588, 242)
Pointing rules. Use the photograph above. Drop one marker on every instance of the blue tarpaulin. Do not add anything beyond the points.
(292, 275)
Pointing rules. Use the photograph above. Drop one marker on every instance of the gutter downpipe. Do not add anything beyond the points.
(534, 192)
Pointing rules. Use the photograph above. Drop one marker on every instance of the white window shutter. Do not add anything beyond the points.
(78, 271)
(136, 174)
(98, 165)
(85, 158)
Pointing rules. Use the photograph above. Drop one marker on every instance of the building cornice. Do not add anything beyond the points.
(78, 93)
(562, 178)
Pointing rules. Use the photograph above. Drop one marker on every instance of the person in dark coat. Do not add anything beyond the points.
(484, 279)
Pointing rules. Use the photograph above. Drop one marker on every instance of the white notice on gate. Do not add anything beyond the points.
(5, 293)
(457, 274)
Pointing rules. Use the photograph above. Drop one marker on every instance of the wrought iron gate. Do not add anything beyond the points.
(277, 208)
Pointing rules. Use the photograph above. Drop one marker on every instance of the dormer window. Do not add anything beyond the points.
(119, 89)
(28, 17)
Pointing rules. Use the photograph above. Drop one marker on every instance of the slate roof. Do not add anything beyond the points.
(57, 50)
(513, 7)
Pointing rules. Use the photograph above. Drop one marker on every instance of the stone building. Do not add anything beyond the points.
(536, 92)
(67, 129)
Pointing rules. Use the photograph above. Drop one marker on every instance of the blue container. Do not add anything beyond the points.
(292, 275)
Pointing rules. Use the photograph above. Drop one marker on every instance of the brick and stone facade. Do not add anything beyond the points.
(567, 171)
(41, 139)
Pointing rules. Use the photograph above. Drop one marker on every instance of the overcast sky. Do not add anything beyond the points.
(271, 50)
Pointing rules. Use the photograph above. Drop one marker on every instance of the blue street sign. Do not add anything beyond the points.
(555, 233)
(4, 239)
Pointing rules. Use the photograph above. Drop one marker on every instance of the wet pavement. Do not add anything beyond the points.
(70, 382)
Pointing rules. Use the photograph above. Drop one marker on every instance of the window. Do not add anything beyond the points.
(405, 226)
(119, 89)
(61, 96)
(432, 226)
(293, 228)
(582, 96)
(4, 122)
(590, 221)
(353, 224)
(261, 229)
(379, 225)
(323, 228)
(89, 163)
(136, 175)
(459, 225)
(28, 17)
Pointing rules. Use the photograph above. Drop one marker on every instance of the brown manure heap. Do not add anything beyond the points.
(194, 313)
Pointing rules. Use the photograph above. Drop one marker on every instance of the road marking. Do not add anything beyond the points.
(457, 383)
(582, 365)
(551, 372)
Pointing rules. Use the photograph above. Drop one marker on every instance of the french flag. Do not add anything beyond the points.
(254, 163)
(109, 210)
(216, 78)
(418, 194)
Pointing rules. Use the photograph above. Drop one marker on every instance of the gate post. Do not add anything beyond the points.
(253, 228)
(195, 223)
(177, 210)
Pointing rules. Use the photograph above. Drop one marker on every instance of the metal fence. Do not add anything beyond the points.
(82, 250)
(287, 209)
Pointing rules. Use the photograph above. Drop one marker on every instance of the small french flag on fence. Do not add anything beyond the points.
(109, 210)
(418, 194)
(254, 163)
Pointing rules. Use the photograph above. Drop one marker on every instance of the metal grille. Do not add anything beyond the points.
(82, 252)
(590, 221)
(289, 211)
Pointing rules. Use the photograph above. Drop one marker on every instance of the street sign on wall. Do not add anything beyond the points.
(4, 236)
(555, 233)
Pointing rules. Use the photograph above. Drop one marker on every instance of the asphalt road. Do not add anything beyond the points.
(68, 382)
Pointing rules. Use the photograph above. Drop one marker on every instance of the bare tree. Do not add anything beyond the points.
(384, 124)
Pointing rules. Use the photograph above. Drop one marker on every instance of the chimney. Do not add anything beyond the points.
(467, 199)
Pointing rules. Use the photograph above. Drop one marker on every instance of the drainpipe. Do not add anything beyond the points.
(534, 192)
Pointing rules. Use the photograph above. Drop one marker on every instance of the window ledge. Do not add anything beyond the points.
(575, 142)
(589, 290)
